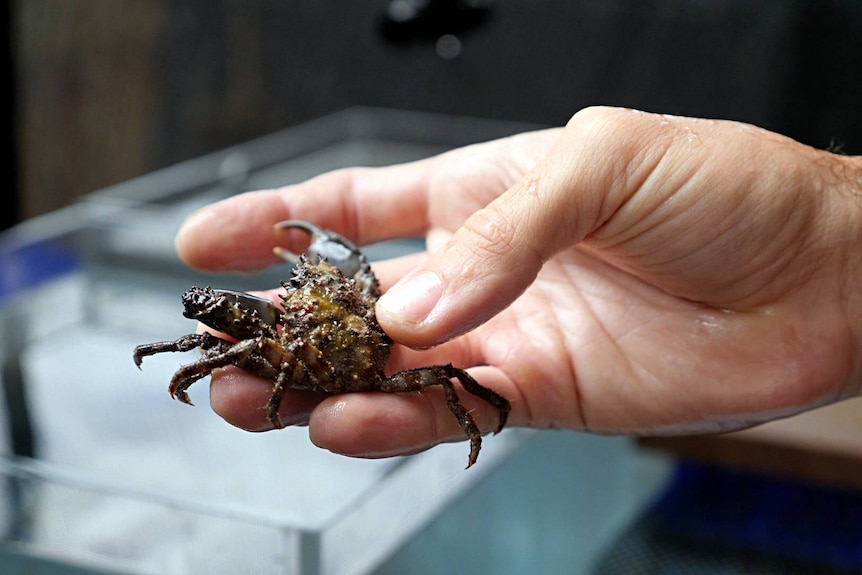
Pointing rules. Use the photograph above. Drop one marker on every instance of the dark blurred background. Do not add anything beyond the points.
(105, 90)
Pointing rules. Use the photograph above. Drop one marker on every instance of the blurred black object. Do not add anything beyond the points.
(408, 20)
(9, 213)
(110, 93)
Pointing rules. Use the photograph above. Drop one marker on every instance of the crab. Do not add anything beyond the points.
(325, 337)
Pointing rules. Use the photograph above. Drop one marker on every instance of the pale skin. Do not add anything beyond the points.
(629, 273)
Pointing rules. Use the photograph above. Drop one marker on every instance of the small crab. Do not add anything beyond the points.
(326, 338)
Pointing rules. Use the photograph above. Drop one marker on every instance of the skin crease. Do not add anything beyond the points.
(628, 273)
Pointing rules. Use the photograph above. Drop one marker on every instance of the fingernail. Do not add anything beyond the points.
(413, 298)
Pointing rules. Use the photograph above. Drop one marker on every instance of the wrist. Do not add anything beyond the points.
(844, 196)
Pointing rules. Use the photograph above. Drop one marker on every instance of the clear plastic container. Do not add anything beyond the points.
(103, 473)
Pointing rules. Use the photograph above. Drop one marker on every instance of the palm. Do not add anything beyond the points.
(591, 347)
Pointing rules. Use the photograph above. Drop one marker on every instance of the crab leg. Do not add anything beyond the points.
(188, 374)
(423, 377)
(473, 387)
(185, 343)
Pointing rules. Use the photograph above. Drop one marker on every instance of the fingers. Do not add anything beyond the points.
(374, 425)
(389, 271)
(240, 399)
(366, 205)
(362, 424)
(363, 204)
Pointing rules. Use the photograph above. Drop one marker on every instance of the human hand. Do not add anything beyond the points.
(630, 273)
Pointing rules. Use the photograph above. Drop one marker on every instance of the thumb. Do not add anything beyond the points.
(489, 261)
(600, 160)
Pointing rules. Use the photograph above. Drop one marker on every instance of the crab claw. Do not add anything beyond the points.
(335, 249)
(239, 315)
(265, 308)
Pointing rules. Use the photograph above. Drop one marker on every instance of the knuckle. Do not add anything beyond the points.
(493, 232)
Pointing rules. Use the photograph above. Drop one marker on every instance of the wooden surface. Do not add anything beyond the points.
(823, 446)
(86, 79)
